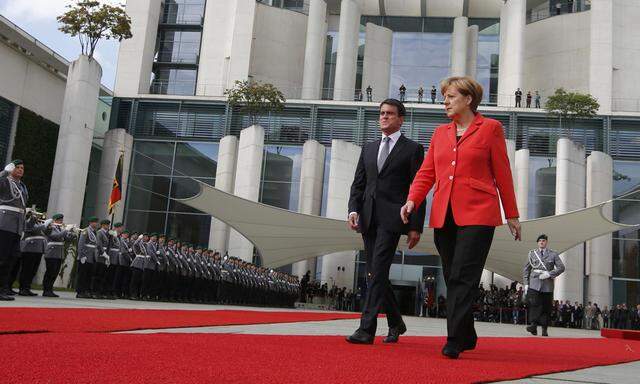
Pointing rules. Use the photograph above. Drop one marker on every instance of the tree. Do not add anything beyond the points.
(570, 106)
(91, 21)
(255, 98)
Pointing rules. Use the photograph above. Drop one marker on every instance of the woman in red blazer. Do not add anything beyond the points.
(468, 167)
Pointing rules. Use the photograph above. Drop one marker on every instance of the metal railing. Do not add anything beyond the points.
(550, 9)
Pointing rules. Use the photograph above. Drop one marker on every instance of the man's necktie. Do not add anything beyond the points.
(384, 153)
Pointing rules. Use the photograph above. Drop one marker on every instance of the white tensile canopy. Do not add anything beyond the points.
(283, 237)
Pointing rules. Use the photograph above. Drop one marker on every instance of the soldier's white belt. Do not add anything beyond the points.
(35, 238)
(11, 208)
(89, 245)
(143, 256)
(114, 249)
(55, 243)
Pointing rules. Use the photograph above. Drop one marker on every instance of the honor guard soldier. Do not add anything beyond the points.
(543, 266)
(123, 273)
(109, 287)
(103, 261)
(137, 266)
(161, 274)
(150, 268)
(32, 247)
(87, 255)
(13, 202)
(54, 254)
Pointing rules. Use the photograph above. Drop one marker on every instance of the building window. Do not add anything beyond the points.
(184, 12)
(174, 81)
(175, 46)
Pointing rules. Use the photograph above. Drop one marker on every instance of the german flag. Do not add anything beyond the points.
(116, 190)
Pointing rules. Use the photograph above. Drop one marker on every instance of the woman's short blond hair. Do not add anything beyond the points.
(467, 86)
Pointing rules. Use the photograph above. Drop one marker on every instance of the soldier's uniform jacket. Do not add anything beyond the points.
(56, 236)
(103, 244)
(13, 201)
(140, 251)
(125, 252)
(552, 262)
(114, 249)
(87, 245)
(152, 258)
(170, 260)
(33, 239)
(161, 257)
(185, 267)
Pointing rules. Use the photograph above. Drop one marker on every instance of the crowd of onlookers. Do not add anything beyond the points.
(312, 291)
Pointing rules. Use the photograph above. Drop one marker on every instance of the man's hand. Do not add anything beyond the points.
(406, 210)
(514, 227)
(413, 237)
(526, 288)
(544, 275)
(83, 260)
(353, 221)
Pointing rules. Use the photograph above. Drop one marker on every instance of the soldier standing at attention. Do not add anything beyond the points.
(32, 248)
(54, 254)
(13, 201)
(543, 265)
(103, 261)
(87, 257)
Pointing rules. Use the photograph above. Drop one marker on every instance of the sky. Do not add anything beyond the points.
(38, 18)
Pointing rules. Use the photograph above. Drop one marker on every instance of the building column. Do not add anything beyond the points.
(347, 55)
(472, 50)
(116, 142)
(510, 73)
(315, 50)
(310, 197)
(73, 150)
(599, 250)
(247, 184)
(342, 168)
(225, 178)
(522, 183)
(227, 39)
(459, 43)
(135, 55)
(601, 54)
(376, 71)
(570, 192)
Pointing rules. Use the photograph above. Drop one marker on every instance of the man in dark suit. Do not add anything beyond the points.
(381, 183)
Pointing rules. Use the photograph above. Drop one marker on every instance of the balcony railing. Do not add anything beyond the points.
(549, 9)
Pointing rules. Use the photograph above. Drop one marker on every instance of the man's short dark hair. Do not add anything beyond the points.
(395, 103)
(542, 237)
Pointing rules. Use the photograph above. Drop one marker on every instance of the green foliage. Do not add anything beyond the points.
(91, 21)
(35, 143)
(255, 98)
(569, 106)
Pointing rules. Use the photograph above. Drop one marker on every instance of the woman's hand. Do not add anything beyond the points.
(406, 210)
(514, 227)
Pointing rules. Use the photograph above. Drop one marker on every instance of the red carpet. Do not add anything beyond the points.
(225, 358)
(30, 320)
(620, 333)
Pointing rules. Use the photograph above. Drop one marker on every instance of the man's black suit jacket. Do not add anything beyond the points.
(383, 194)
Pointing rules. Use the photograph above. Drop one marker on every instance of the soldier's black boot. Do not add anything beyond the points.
(532, 329)
(544, 331)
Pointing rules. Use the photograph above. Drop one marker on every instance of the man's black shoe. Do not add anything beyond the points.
(11, 292)
(532, 329)
(49, 294)
(4, 297)
(470, 345)
(360, 337)
(26, 292)
(394, 333)
(544, 332)
(451, 351)
(83, 296)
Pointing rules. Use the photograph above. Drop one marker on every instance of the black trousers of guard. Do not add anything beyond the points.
(379, 246)
(540, 304)
(30, 261)
(51, 273)
(97, 280)
(135, 285)
(85, 273)
(9, 251)
(109, 279)
(463, 250)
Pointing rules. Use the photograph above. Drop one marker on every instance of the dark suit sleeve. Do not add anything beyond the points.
(416, 220)
(358, 185)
